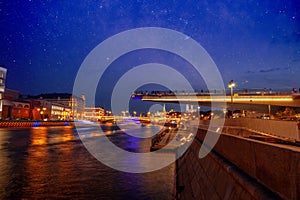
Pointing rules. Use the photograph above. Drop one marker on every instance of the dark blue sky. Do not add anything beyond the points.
(43, 43)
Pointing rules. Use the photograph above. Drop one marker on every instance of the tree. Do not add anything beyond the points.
(288, 113)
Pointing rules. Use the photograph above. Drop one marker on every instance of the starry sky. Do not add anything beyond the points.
(43, 43)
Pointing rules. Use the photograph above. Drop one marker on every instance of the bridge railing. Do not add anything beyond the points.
(256, 91)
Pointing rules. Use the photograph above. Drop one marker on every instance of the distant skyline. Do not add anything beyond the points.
(43, 43)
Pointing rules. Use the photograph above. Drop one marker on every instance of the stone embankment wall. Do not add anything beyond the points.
(239, 168)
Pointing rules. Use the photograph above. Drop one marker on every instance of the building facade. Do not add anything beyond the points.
(3, 72)
(54, 106)
(93, 113)
(65, 105)
(13, 107)
(20, 110)
(60, 112)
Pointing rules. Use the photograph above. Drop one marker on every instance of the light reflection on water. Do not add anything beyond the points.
(48, 163)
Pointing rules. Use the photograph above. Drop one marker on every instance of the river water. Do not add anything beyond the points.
(52, 163)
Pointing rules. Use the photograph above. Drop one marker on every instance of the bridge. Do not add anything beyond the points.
(111, 119)
(291, 100)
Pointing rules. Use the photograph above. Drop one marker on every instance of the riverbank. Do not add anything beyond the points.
(29, 124)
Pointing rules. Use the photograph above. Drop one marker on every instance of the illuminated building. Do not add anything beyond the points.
(2, 86)
(60, 112)
(93, 113)
(13, 107)
(11, 95)
(64, 102)
(46, 110)
(20, 110)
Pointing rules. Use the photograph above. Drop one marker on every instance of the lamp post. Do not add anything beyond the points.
(231, 85)
(42, 111)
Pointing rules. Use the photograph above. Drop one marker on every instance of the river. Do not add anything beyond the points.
(52, 163)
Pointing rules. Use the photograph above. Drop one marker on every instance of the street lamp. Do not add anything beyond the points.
(231, 85)
(42, 111)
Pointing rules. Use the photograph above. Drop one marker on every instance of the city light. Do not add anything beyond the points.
(227, 99)
(231, 85)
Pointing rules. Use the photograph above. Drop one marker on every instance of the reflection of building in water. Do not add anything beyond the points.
(2, 86)
(67, 134)
(39, 136)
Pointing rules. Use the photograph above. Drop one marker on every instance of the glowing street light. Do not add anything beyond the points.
(42, 112)
(231, 85)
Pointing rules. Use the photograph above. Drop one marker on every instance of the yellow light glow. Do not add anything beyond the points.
(223, 99)
(231, 85)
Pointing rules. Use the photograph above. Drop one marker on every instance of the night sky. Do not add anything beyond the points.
(43, 43)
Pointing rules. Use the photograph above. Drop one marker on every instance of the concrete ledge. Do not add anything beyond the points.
(276, 167)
